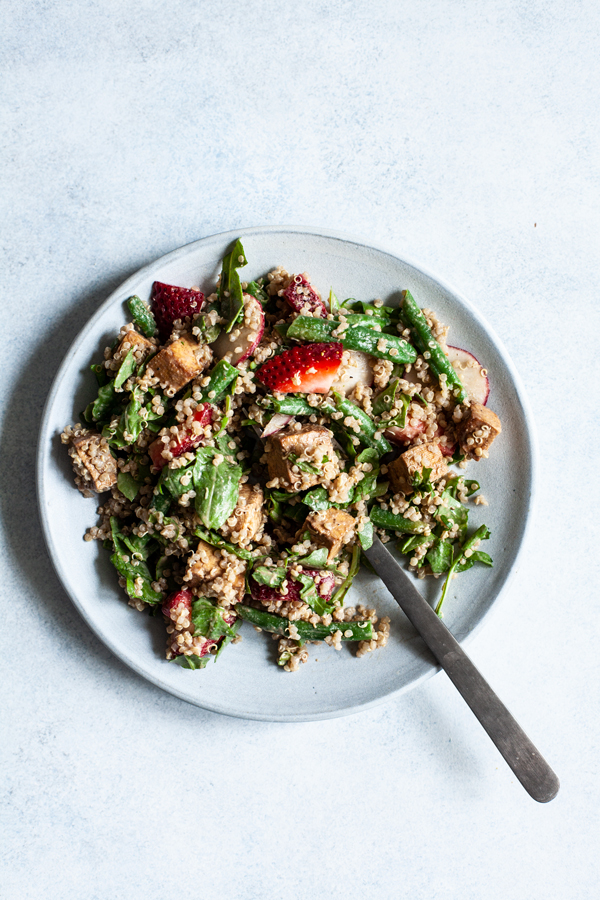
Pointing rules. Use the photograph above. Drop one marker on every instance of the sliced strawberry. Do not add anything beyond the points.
(185, 440)
(306, 369)
(324, 580)
(404, 435)
(300, 294)
(176, 603)
(448, 449)
(170, 303)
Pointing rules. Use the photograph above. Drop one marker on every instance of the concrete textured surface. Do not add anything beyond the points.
(463, 135)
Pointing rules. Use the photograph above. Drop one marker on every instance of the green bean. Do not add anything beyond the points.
(368, 428)
(397, 350)
(221, 378)
(383, 518)
(142, 316)
(359, 631)
(294, 406)
(425, 341)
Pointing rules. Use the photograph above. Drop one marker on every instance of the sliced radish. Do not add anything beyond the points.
(243, 340)
(356, 368)
(278, 422)
(471, 373)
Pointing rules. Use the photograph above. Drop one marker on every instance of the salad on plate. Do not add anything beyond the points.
(249, 442)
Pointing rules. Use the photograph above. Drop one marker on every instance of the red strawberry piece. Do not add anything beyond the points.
(177, 603)
(305, 369)
(170, 303)
(186, 440)
(447, 448)
(325, 587)
(406, 434)
(300, 294)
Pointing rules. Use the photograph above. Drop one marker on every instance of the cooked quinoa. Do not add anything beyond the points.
(249, 443)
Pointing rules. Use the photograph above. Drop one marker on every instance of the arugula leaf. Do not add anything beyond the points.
(270, 575)
(315, 560)
(451, 512)
(216, 487)
(303, 465)
(414, 541)
(317, 499)
(216, 540)
(365, 535)
(482, 534)
(230, 289)
(208, 333)
(207, 619)
(259, 292)
(130, 568)
(310, 595)
(385, 400)
(170, 479)
(193, 662)
(128, 485)
(99, 408)
(334, 303)
(439, 556)
(476, 556)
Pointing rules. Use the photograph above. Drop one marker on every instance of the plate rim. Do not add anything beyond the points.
(43, 451)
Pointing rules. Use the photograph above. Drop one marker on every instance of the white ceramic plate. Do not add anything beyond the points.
(245, 681)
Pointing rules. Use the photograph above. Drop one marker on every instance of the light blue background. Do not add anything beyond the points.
(465, 136)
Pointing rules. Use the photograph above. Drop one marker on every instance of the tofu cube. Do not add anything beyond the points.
(93, 463)
(476, 432)
(247, 519)
(203, 565)
(179, 362)
(212, 574)
(331, 528)
(133, 340)
(412, 462)
(291, 455)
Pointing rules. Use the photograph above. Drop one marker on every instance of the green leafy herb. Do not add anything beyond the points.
(270, 575)
(128, 485)
(216, 487)
(230, 288)
(471, 543)
(439, 556)
(215, 540)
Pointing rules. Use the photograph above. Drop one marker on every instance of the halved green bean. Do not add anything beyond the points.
(142, 316)
(383, 518)
(425, 341)
(368, 428)
(221, 377)
(359, 631)
(383, 346)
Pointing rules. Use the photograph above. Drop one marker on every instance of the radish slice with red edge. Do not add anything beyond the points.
(237, 349)
(278, 422)
(471, 373)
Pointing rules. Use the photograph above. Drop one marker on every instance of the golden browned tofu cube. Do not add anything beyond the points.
(476, 432)
(215, 573)
(179, 362)
(203, 565)
(331, 528)
(402, 471)
(93, 462)
(247, 519)
(302, 459)
(140, 345)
